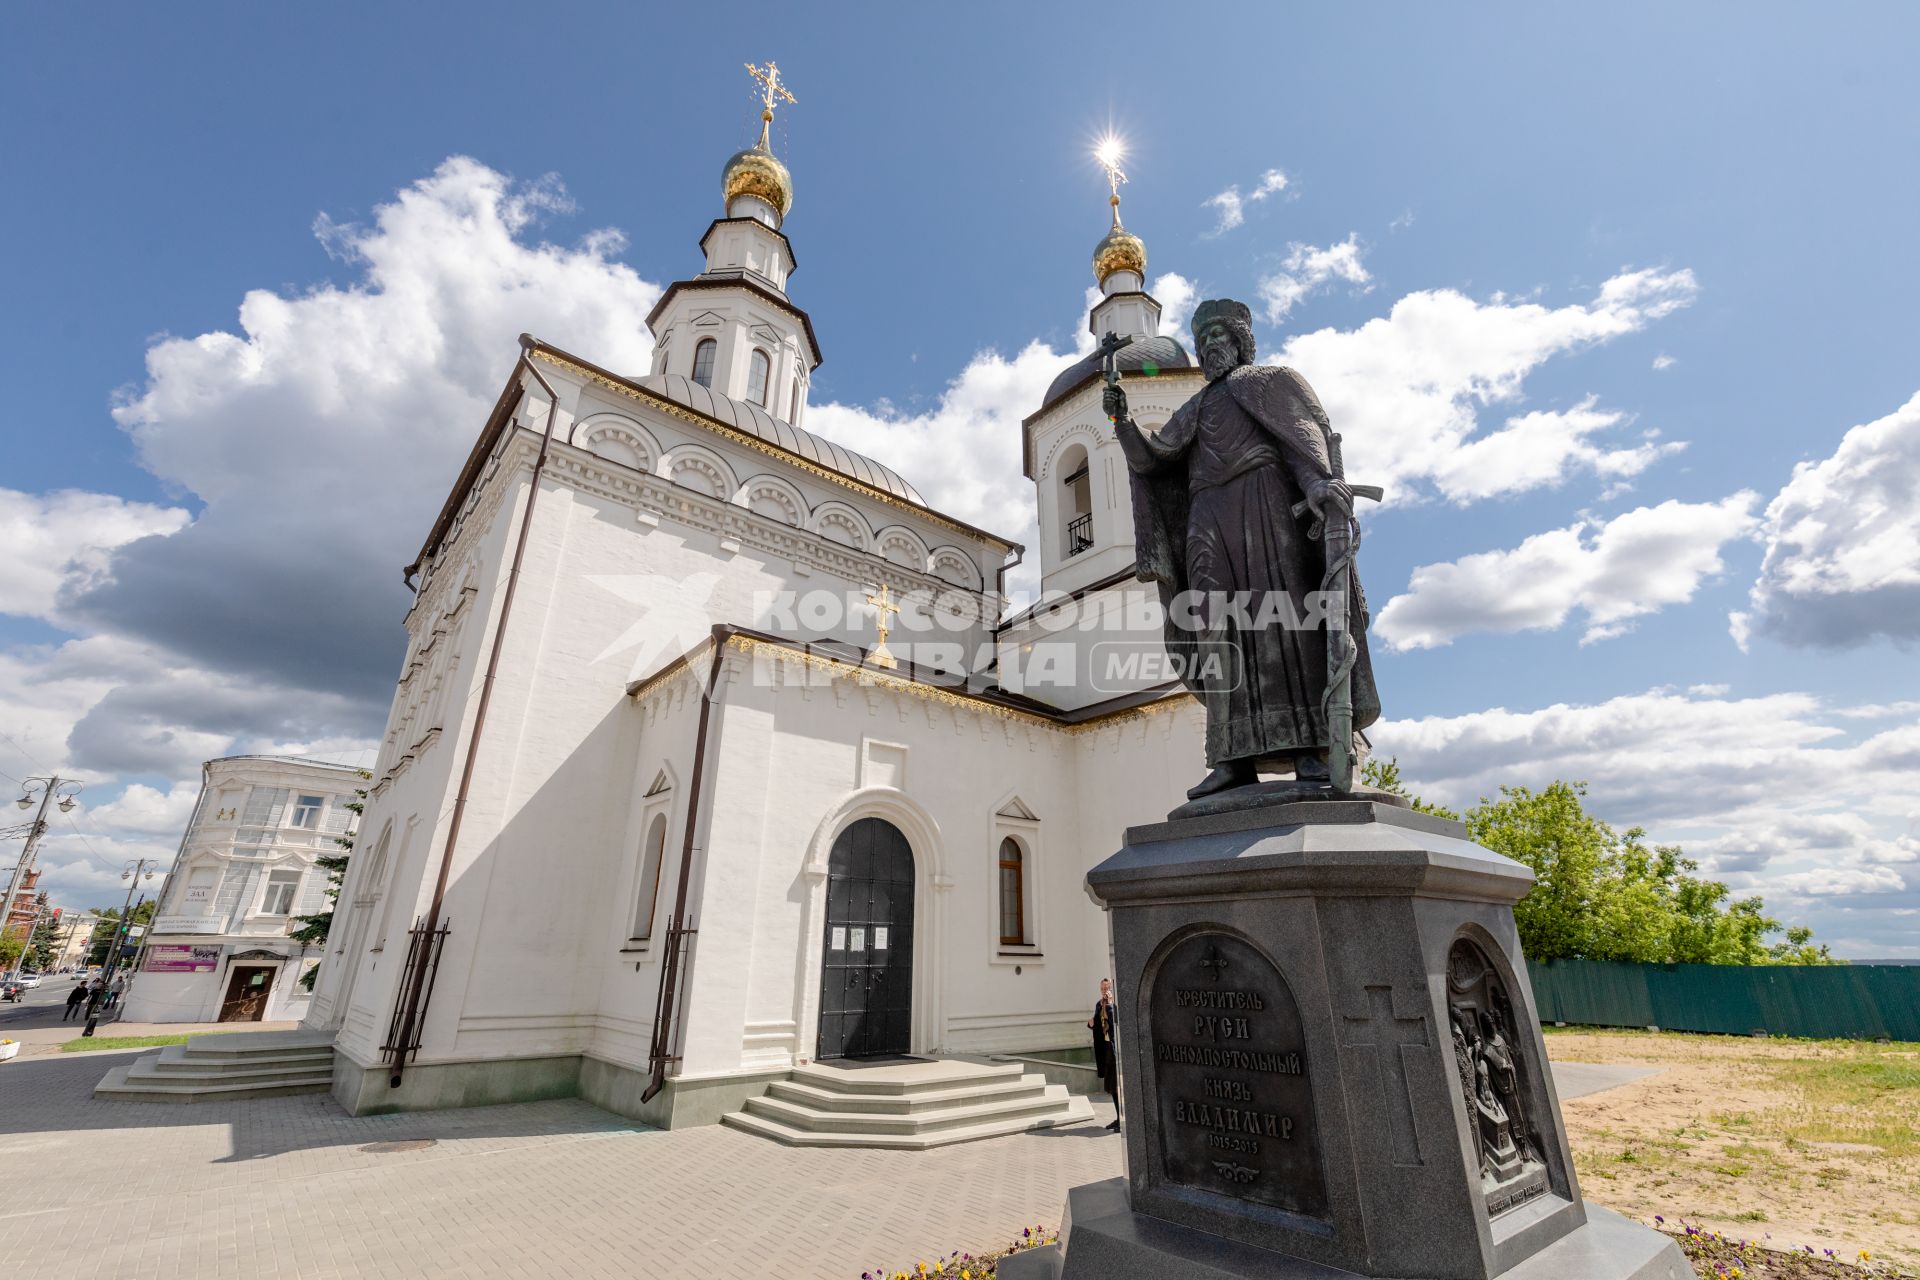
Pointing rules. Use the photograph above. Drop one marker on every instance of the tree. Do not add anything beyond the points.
(1385, 775)
(108, 928)
(1599, 894)
(46, 941)
(314, 929)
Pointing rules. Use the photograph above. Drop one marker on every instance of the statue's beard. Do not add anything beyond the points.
(1218, 362)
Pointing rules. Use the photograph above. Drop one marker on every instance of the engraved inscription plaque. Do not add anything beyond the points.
(1234, 1103)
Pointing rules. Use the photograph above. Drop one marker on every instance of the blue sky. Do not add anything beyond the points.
(1754, 162)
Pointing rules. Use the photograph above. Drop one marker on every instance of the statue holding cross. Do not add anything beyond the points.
(1244, 517)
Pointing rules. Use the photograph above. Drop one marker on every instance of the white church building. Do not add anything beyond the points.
(717, 758)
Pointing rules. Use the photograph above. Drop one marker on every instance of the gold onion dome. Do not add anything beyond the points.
(1119, 250)
(755, 172)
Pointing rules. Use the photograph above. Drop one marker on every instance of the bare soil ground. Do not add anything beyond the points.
(1792, 1144)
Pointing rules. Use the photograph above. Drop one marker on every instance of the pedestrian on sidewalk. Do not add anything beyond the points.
(1104, 1025)
(96, 992)
(75, 998)
(116, 990)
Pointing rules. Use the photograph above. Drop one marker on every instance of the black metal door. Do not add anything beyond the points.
(866, 973)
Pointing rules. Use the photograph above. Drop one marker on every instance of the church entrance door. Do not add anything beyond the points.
(866, 971)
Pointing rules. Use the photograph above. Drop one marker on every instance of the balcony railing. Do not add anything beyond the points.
(1080, 534)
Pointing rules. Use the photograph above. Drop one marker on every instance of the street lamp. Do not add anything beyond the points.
(50, 788)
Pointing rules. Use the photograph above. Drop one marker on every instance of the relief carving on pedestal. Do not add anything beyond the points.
(1494, 1080)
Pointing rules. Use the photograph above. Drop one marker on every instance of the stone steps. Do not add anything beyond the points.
(911, 1106)
(1021, 1089)
(223, 1068)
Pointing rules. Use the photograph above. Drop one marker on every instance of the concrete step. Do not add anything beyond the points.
(226, 1045)
(171, 1065)
(130, 1083)
(1024, 1087)
(812, 1120)
(1074, 1111)
(919, 1077)
(181, 1058)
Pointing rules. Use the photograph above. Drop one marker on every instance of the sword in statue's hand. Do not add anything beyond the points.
(1341, 535)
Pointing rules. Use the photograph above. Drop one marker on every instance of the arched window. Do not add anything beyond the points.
(1013, 894)
(793, 413)
(1076, 502)
(757, 369)
(648, 887)
(703, 357)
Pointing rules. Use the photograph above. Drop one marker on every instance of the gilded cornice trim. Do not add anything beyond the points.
(736, 436)
(865, 675)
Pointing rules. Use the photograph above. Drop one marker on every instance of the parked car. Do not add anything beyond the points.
(30, 980)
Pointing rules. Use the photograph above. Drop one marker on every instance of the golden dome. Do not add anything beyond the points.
(1119, 250)
(755, 172)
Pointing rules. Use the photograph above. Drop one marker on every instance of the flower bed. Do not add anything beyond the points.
(964, 1266)
(1716, 1256)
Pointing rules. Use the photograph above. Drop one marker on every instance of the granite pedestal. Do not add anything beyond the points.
(1330, 1063)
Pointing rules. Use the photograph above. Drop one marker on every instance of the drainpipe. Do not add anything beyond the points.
(670, 975)
(416, 984)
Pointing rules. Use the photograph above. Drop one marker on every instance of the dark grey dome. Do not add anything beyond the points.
(757, 422)
(1139, 356)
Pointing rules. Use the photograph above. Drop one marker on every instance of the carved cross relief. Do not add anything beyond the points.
(1389, 1037)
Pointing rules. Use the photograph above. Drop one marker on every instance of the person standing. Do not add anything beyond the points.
(114, 992)
(96, 992)
(75, 998)
(1105, 1025)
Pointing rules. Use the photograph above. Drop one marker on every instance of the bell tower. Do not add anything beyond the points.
(732, 329)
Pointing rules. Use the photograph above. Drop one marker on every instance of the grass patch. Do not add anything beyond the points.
(98, 1044)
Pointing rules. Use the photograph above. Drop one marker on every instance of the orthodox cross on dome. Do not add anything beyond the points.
(883, 605)
(1109, 152)
(771, 89)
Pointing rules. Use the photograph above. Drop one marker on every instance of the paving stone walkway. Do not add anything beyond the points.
(280, 1187)
(283, 1187)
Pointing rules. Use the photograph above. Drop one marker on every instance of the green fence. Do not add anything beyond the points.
(1844, 1001)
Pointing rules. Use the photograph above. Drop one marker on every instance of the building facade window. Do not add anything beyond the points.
(703, 358)
(757, 369)
(1013, 894)
(281, 886)
(306, 812)
(647, 889)
(793, 411)
(1076, 501)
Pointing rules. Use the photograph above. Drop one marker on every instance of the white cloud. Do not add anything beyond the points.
(1178, 296)
(1405, 389)
(1843, 542)
(1632, 565)
(146, 809)
(319, 437)
(1538, 449)
(63, 540)
(1307, 269)
(1772, 793)
(1664, 361)
(1232, 209)
(1231, 206)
